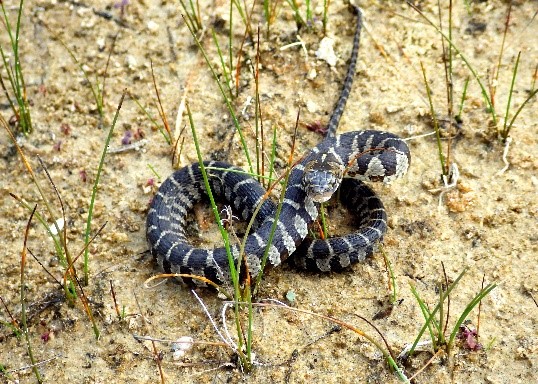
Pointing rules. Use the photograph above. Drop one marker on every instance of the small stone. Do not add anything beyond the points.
(393, 109)
(290, 296)
(101, 43)
(311, 106)
(326, 51)
(181, 346)
(131, 62)
(153, 26)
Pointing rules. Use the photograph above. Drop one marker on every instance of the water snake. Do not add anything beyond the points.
(357, 156)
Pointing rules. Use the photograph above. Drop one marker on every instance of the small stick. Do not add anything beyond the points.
(23, 300)
(33, 366)
(155, 352)
(532, 297)
(114, 298)
(480, 308)
(447, 300)
(438, 353)
(45, 269)
(160, 106)
(13, 320)
(124, 148)
(149, 338)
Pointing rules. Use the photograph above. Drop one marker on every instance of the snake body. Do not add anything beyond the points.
(358, 156)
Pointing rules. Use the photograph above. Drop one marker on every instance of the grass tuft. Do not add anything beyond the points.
(193, 15)
(436, 320)
(488, 97)
(17, 97)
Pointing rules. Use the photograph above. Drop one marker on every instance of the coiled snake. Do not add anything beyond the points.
(357, 156)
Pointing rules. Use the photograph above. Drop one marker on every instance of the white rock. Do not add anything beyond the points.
(326, 51)
(131, 62)
(59, 223)
(152, 26)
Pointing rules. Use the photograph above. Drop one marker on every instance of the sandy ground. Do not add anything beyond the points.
(486, 224)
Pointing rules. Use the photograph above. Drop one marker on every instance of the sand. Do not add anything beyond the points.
(485, 224)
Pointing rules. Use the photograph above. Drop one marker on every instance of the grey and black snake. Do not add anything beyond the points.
(358, 156)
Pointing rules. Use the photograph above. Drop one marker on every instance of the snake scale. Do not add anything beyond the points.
(357, 156)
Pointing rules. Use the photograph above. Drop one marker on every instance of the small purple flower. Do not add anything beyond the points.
(127, 136)
(469, 337)
(122, 5)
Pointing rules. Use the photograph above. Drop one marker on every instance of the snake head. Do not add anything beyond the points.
(322, 177)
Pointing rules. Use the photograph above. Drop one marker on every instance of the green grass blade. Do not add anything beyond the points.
(226, 100)
(510, 94)
(427, 317)
(296, 14)
(394, 295)
(152, 119)
(465, 60)
(533, 93)
(94, 191)
(444, 168)
(273, 155)
(15, 74)
(474, 302)
(463, 95)
(55, 239)
(225, 237)
(443, 297)
(225, 73)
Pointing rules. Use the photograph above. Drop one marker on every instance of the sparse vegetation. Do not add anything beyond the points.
(100, 279)
(16, 94)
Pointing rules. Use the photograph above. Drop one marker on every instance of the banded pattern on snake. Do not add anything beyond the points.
(360, 155)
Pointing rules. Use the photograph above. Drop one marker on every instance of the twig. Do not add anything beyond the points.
(419, 136)
(32, 366)
(296, 43)
(23, 300)
(438, 353)
(505, 154)
(124, 148)
(114, 299)
(228, 342)
(155, 352)
(453, 175)
(405, 352)
(149, 338)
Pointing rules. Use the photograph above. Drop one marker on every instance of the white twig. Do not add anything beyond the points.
(227, 342)
(453, 176)
(229, 217)
(124, 148)
(407, 348)
(34, 365)
(505, 154)
(225, 327)
(296, 43)
(419, 136)
(276, 301)
(248, 103)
